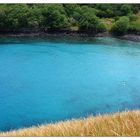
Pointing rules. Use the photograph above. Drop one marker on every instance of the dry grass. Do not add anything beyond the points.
(118, 124)
(108, 22)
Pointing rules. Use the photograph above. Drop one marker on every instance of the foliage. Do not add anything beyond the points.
(121, 26)
(132, 17)
(55, 17)
(126, 9)
(48, 17)
(90, 22)
(136, 24)
(108, 22)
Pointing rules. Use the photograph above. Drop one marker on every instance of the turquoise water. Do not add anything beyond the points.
(45, 80)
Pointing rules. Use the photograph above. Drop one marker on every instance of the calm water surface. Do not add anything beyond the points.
(47, 80)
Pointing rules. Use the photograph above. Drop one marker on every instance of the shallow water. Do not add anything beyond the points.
(45, 80)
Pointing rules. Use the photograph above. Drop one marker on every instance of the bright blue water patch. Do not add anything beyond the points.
(46, 80)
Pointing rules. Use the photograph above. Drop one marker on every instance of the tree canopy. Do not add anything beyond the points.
(51, 17)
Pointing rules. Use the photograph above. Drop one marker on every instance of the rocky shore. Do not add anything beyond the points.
(131, 37)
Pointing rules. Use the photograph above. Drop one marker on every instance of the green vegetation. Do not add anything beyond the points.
(88, 18)
(121, 26)
(89, 22)
(135, 24)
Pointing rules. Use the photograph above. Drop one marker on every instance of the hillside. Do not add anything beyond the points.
(118, 19)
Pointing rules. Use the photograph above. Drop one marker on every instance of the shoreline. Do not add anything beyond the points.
(124, 123)
(130, 37)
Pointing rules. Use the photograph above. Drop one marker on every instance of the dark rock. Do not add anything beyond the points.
(132, 37)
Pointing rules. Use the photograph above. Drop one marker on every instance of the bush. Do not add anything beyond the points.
(55, 18)
(116, 18)
(135, 8)
(121, 26)
(2, 19)
(101, 27)
(132, 17)
(90, 23)
(132, 29)
(126, 9)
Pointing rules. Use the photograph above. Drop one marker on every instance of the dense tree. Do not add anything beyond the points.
(89, 22)
(2, 19)
(56, 17)
(121, 26)
(35, 17)
(126, 9)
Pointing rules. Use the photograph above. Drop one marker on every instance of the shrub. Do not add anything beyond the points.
(101, 27)
(2, 19)
(90, 23)
(116, 18)
(126, 9)
(121, 26)
(132, 17)
(55, 18)
(132, 29)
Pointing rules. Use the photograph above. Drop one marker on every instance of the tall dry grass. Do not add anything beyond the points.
(118, 124)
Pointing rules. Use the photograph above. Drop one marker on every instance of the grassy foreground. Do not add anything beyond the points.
(118, 124)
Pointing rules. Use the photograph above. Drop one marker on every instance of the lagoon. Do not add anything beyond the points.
(49, 79)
